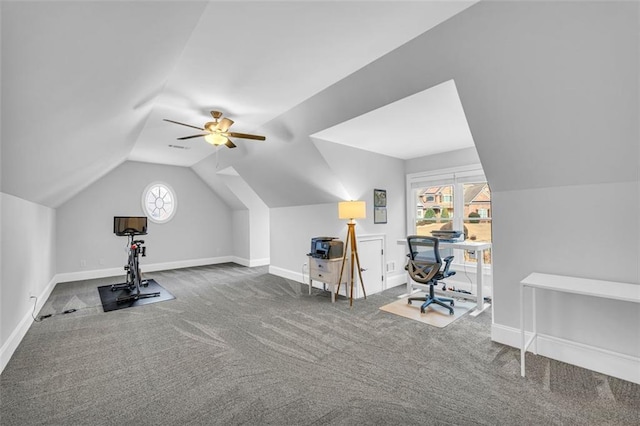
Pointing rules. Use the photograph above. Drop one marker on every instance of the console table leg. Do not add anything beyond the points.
(522, 347)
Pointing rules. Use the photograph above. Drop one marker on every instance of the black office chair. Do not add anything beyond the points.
(426, 267)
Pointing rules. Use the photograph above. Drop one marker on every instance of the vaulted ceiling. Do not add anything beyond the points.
(85, 85)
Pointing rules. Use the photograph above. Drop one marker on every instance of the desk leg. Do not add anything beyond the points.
(480, 305)
(533, 318)
(522, 347)
(310, 284)
(333, 292)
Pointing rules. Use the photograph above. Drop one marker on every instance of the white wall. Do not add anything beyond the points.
(200, 229)
(28, 267)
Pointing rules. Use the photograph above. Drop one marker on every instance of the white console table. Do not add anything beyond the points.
(328, 271)
(478, 248)
(588, 287)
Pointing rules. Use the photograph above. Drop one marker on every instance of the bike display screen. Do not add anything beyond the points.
(129, 225)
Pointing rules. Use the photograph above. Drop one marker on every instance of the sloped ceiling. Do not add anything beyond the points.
(85, 85)
(427, 123)
(549, 89)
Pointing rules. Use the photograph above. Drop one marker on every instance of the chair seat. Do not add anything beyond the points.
(425, 266)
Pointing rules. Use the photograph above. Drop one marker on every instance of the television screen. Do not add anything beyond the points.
(128, 225)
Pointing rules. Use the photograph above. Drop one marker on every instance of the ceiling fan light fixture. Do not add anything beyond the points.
(215, 139)
(215, 132)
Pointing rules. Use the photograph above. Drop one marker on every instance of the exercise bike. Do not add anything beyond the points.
(134, 276)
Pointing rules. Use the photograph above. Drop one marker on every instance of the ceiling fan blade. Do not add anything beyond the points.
(224, 124)
(192, 136)
(230, 144)
(182, 124)
(247, 136)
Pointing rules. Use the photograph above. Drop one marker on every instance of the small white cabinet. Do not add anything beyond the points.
(328, 272)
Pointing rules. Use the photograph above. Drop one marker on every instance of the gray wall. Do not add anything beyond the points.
(201, 227)
(360, 172)
(28, 265)
(241, 239)
(577, 236)
(461, 157)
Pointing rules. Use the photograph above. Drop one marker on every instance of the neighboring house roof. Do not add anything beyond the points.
(472, 192)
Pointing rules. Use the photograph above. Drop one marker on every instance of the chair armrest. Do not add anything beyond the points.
(447, 263)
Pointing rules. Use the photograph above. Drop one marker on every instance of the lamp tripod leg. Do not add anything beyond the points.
(344, 258)
(355, 250)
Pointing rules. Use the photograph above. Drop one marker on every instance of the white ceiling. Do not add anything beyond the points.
(427, 123)
(85, 85)
(280, 54)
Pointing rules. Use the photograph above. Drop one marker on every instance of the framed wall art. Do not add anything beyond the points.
(379, 198)
(379, 206)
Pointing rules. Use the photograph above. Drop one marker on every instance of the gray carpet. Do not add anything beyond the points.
(240, 346)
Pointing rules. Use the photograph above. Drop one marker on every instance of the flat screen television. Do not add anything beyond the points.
(129, 225)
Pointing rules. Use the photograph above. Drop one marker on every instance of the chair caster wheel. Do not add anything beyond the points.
(451, 303)
(409, 302)
(422, 311)
(450, 312)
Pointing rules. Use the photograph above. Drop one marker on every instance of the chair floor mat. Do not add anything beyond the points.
(435, 315)
(110, 302)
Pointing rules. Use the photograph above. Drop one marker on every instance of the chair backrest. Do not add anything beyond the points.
(424, 258)
(424, 248)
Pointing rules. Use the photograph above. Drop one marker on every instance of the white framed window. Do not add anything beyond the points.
(159, 202)
(461, 201)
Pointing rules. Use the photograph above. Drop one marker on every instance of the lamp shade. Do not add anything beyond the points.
(352, 210)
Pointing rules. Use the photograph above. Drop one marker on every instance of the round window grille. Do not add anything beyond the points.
(159, 202)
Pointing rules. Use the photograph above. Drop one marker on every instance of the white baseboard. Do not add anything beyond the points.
(11, 344)
(396, 280)
(251, 263)
(290, 275)
(151, 267)
(603, 361)
(88, 275)
(179, 264)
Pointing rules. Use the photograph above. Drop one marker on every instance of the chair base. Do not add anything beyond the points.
(428, 300)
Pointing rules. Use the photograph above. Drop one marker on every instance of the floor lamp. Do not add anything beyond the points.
(351, 210)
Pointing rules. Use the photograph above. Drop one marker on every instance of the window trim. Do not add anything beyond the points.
(174, 199)
(446, 176)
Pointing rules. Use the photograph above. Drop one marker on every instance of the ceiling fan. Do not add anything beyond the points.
(217, 131)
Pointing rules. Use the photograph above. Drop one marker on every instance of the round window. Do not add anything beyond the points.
(159, 202)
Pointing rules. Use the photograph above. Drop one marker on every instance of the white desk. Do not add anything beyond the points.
(597, 288)
(479, 248)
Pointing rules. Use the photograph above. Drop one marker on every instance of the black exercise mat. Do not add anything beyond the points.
(108, 297)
